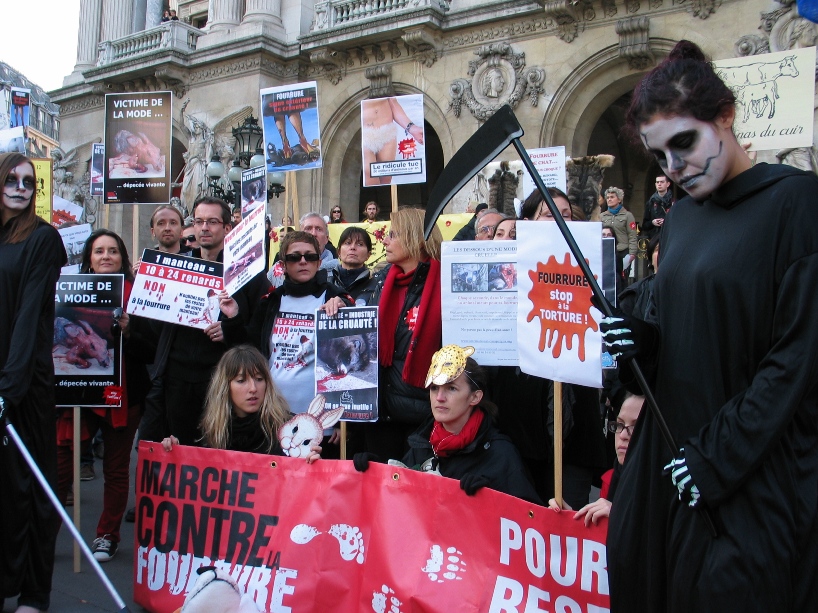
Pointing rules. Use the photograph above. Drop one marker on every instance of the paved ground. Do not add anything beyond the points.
(83, 592)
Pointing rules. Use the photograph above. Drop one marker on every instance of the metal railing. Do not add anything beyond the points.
(172, 35)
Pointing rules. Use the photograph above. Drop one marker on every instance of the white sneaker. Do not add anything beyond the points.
(103, 548)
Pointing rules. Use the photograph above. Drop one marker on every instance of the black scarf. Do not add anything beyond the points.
(246, 434)
(298, 290)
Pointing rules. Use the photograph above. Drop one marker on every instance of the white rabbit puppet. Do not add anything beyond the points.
(304, 430)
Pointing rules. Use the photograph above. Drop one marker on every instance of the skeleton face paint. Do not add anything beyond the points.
(693, 153)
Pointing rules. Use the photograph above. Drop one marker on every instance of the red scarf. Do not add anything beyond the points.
(444, 442)
(429, 320)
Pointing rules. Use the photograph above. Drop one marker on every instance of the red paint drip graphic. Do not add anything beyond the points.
(113, 395)
(407, 148)
(562, 300)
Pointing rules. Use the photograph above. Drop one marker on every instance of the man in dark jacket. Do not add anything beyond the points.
(469, 231)
(657, 207)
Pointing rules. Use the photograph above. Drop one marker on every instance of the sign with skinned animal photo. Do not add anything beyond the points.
(87, 350)
(312, 538)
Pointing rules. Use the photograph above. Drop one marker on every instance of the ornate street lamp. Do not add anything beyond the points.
(249, 137)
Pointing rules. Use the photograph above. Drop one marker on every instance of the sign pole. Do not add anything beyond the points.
(558, 443)
(76, 486)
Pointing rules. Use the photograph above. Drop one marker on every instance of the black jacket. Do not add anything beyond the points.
(260, 329)
(490, 454)
(399, 400)
(656, 208)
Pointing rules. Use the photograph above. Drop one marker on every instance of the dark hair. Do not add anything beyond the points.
(355, 232)
(85, 266)
(683, 84)
(535, 199)
(168, 207)
(297, 237)
(480, 207)
(21, 226)
(653, 243)
(478, 379)
(227, 216)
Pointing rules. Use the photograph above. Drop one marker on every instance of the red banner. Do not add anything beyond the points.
(323, 537)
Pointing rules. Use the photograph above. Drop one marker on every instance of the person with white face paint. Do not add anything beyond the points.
(731, 354)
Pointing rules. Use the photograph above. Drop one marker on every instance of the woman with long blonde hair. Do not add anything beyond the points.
(244, 408)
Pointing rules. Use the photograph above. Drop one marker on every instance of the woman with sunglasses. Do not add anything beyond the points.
(336, 215)
(283, 325)
(31, 255)
(105, 253)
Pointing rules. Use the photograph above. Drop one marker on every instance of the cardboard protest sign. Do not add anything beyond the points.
(323, 537)
(20, 107)
(87, 354)
(177, 289)
(557, 334)
(244, 251)
(43, 168)
(73, 239)
(64, 211)
(97, 166)
(291, 130)
(392, 140)
(253, 190)
(550, 163)
(13, 140)
(137, 148)
(479, 298)
(774, 97)
(346, 371)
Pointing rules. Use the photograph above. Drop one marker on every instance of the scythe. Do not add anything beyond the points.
(501, 130)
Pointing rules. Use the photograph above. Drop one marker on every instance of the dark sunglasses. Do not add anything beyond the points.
(296, 257)
(189, 239)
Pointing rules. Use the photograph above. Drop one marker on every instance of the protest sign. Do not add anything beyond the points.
(253, 190)
(774, 97)
(97, 166)
(479, 298)
(13, 140)
(244, 251)
(323, 537)
(87, 355)
(42, 197)
(346, 371)
(64, 211)
(20, 103)
(137, 148)
(557, 334)
(550, 163)
(290, 121)
(73, 239)
(392, 140)
(177, 289)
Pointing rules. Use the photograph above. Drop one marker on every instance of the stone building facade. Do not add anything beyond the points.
(565, 66)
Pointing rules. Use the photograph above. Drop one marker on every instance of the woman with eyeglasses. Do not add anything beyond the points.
(31, 255)
(283, 325)
(105, 253)
(622, 429)
(410, 331)
(336, 215)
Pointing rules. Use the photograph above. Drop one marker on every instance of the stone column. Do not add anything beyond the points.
(224, 14)
(117, 18)
(138, 8)
(263, 10)
(153, 14)
(88, 34)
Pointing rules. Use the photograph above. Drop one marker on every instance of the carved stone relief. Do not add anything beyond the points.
(634, 41)
(498, 77)
(380, 81)
(333, 63)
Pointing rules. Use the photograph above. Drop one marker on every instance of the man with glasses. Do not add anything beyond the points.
(487, 223)
(313, 223)
(188, 236)
(186, 356)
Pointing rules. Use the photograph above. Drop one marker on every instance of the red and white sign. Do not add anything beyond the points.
(323, 537)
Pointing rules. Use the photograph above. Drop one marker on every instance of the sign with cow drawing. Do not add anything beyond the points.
(87, 348)
(774, 97)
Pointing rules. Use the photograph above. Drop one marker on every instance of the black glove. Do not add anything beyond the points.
(361, 460)
(471, 482)
(627, 337)
(680, 475)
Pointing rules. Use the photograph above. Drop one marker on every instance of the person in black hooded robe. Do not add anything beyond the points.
(733, 358)
(31, 255)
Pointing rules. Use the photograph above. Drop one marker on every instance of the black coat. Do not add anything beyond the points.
(398, 400)
(737, 382)
(490, 454)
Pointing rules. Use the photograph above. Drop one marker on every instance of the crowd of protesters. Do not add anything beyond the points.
(728, 358)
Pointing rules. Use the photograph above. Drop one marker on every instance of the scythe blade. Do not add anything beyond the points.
(481, 148)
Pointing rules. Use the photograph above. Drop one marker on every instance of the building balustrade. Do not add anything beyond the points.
(338, 13)
(171, 35)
